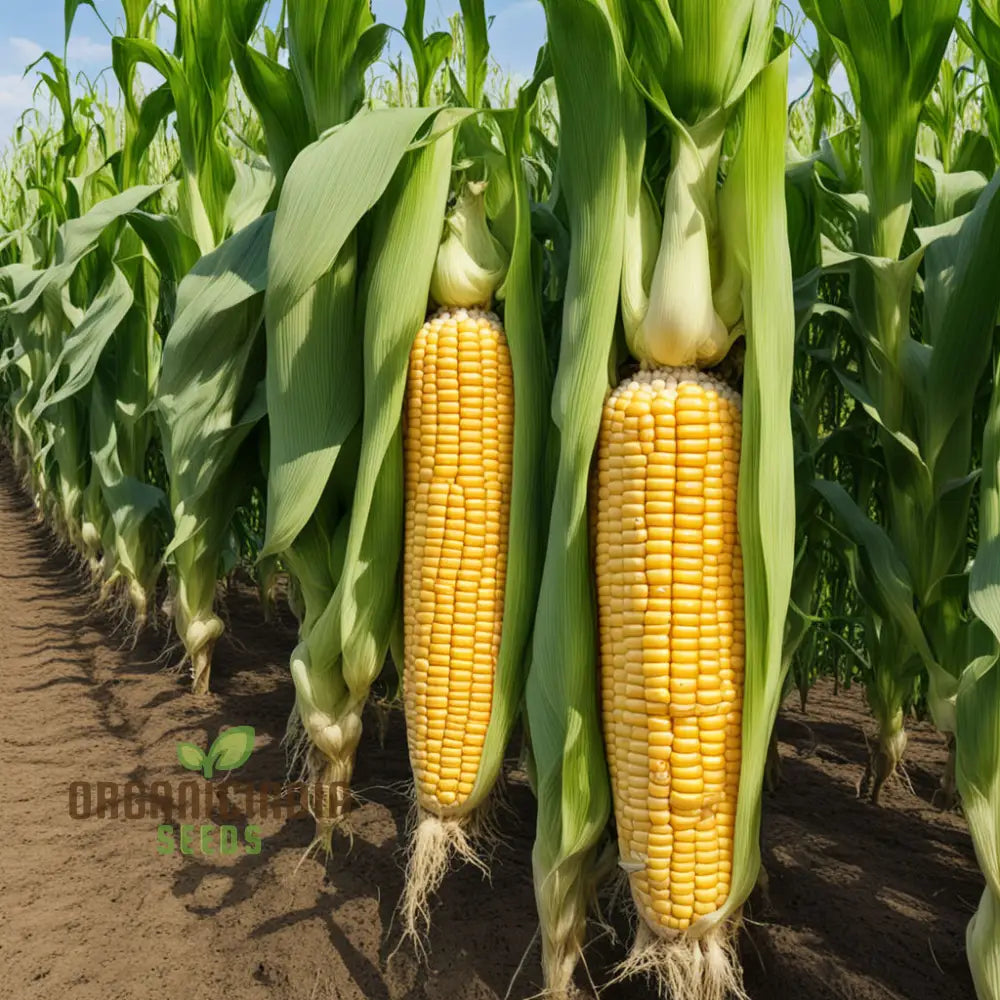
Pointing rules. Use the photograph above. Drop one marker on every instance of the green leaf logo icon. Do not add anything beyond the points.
(190, 756)
(231, 749)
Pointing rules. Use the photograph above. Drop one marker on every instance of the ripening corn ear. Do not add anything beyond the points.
(474, 518)
(686, 727)
(459, 452)
(670, 617)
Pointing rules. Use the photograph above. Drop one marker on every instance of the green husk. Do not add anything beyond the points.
(571, 780)
(471, 263)
(343, 645)
(977, 762)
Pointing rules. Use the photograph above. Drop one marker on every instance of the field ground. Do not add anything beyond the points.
(863, 904)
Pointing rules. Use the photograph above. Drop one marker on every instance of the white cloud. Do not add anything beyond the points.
(24, 48)
(15, 92)
(15, 97)
(83, 49)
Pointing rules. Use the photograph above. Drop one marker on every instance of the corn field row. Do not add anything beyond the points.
(596, 413)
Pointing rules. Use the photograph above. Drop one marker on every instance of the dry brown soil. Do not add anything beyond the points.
(864, 903)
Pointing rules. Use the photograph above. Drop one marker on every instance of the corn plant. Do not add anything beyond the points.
(905, 375)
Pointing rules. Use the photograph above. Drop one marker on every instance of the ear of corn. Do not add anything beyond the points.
(475, 425)
(689, 948)
(692, 951)
(316, 328)
(459, 453)
(459, 425)
(669, 577)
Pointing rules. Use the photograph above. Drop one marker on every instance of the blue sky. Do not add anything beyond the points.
(28, 27)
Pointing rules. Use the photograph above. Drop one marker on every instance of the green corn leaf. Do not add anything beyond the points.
(331, 46)
(210, 397)
(984, 582)
(273, 89)
(76, 239)
(173, 251)
(405, 241)
(891, 54)
(940, 197)
(205, 359)
(476, 49)
(156, 107)
(887, 587)
(314, 396)
(132, 504)
(977, 770)
(960, 302)
(428, 53)
(70, 9)
(198, 79)
(82, 349)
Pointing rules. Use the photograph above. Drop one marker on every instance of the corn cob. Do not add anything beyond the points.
(459, 449)
(670, 597)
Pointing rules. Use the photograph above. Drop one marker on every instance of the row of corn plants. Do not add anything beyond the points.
(597, 411)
